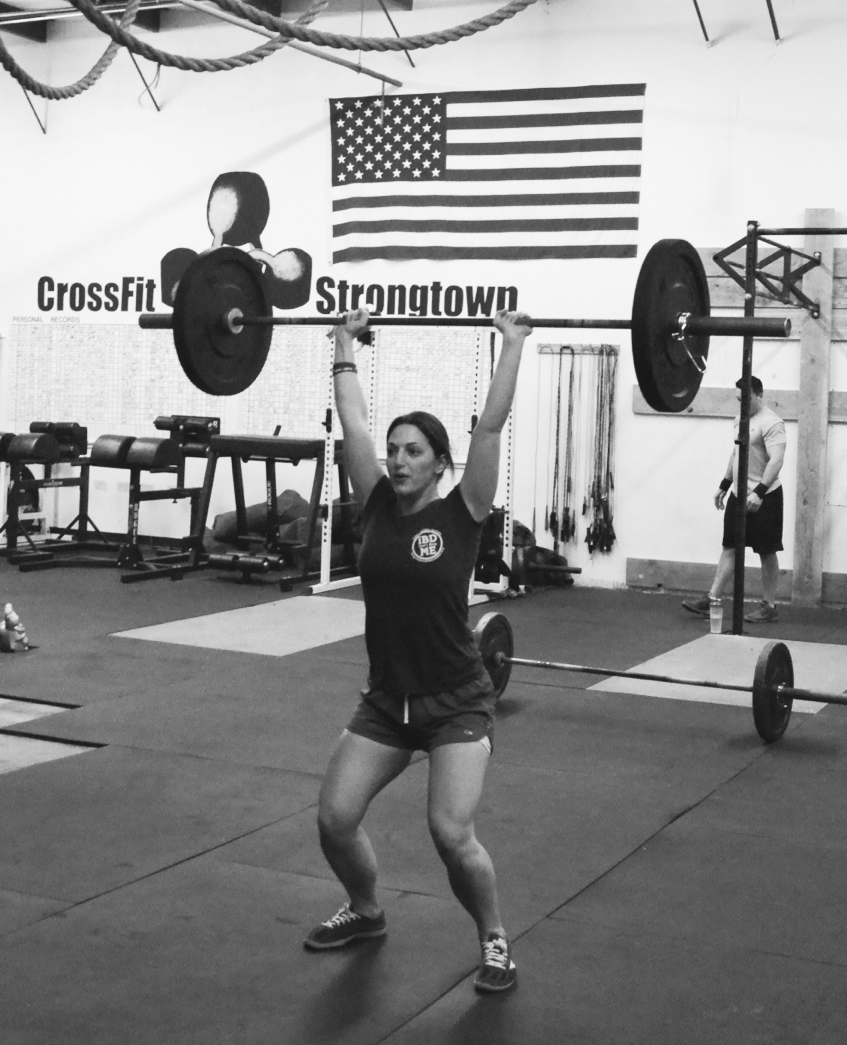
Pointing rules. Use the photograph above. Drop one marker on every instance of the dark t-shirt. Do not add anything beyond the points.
(415, 572)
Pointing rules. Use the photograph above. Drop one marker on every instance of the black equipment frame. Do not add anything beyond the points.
(782, 288)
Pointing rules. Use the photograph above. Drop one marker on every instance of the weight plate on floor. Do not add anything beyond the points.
(493, 635)
(216, 360)
(771, 711)
(672, 280)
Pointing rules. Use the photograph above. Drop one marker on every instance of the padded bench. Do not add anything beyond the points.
(47, 444)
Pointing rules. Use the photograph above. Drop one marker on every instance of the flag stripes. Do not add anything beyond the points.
(459, 153)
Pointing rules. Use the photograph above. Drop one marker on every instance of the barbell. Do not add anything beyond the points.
(773, 687)
(222, 323)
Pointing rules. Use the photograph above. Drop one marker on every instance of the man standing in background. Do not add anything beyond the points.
(764, 507)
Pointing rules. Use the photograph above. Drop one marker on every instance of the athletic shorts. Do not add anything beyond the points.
(421, 723)
(764, 527)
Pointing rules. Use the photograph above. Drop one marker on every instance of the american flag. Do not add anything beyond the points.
(495, 175)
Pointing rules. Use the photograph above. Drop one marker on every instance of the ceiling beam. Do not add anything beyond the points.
(30, 30)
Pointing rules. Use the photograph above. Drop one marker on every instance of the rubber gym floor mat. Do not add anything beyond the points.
(100, 670)
(274, 629)
(212, 954)
(78, 827)
(550, 833)
(699, 882)
(18, 909)
(257, 711)
(790, 794)
(590, 984)
(64, 608)
(732, 658)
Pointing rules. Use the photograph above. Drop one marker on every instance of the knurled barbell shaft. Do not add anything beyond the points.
(583, 669)
(752, 326)
(436, 321)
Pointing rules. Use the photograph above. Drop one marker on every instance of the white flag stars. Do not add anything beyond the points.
(404, 129)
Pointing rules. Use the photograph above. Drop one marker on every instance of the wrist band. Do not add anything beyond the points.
(725, 484)
(339, 368)
(760, 490)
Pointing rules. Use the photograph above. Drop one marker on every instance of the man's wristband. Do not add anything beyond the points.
(725, 484)
(760, 490)
(339, 368)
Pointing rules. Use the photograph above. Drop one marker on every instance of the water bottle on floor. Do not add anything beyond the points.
(715, 616)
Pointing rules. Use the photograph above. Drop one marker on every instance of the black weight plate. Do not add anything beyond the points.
(217, 361)
(771, 711)
(493, 635)
(672, 280)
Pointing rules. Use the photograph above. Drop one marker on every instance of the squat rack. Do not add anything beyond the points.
(784, 288)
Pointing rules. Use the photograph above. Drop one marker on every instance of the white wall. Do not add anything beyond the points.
(744, 129)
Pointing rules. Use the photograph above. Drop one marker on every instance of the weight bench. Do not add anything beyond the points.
(47, 444)
(190, 433)
(276, 554)
(136, 455)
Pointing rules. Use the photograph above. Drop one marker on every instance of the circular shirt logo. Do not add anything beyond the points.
(427, 545)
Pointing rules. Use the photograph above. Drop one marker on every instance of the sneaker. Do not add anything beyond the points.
(497, 971)
(343, 928)
(763, 614)
(699, 606)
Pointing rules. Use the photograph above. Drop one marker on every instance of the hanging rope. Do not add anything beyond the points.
(600, 534)
(287, 30)
(552, 522)
(368, 43)
(72, 90)
(568, 513)
(122, 38)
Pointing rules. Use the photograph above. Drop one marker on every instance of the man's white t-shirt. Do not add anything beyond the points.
(767, 430)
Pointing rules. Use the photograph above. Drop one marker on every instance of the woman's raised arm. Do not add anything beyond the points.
(359, 450)
(479, 481)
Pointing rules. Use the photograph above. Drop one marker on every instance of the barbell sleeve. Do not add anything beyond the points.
(156, 321)
(790, 693)
(738, 326)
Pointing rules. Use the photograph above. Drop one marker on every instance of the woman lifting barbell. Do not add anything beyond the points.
(428, 689)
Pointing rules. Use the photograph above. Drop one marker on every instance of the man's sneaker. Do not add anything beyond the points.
(497, 971)
(699, 606)
(344, 928)
(763, 614)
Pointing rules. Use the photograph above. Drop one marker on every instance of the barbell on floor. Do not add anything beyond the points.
(222, 323)
(773, 678)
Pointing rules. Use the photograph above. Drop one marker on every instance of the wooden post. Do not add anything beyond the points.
(813, 417)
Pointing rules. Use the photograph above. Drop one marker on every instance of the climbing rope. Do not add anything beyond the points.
(192, 65)
(122, 38)
(368, 43)
(287, 31)
(90, 78)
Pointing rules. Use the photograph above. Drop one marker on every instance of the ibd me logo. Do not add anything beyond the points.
(427, 545)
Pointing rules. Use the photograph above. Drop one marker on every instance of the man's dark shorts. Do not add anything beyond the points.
(764, 527)
(422, 723)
